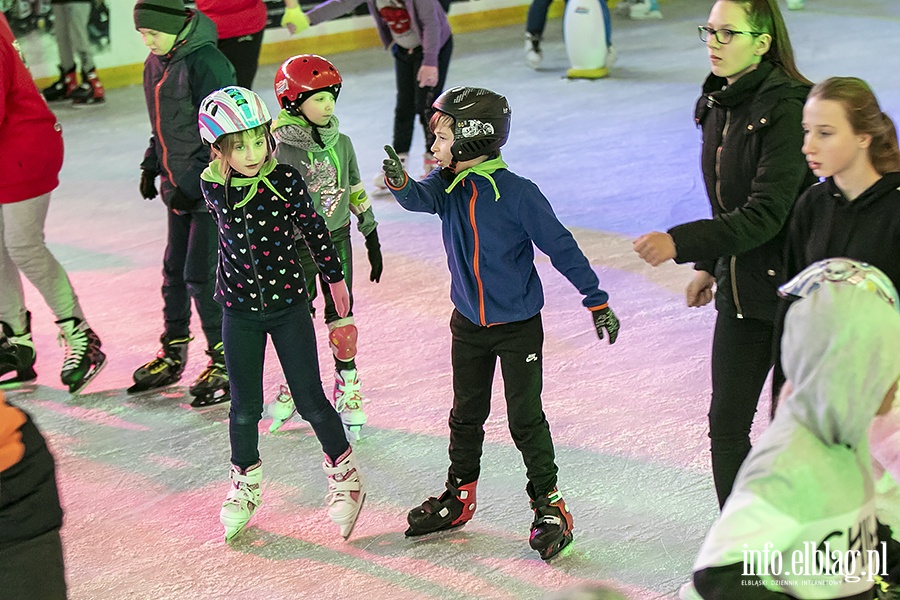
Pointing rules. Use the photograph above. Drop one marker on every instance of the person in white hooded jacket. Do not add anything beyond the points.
(800, 522)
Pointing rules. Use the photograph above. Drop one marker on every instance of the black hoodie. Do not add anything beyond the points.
(826, 225)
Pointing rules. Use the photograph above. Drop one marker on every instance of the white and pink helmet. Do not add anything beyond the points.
(230, 110)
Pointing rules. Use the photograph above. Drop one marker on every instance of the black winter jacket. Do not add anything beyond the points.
(825, 224)
(754, 171)
(29, 501)
(174, 86)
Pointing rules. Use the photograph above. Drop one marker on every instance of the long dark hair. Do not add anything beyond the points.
(865, 117)
(765, 16)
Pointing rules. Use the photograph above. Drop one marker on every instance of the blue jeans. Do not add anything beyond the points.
(189, 271)
(537, 18)
(244, 336)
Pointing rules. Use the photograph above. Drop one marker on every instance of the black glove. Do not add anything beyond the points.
(148, 184)
(180, 201)
(605, 319)
(373, 249)
(393, 168)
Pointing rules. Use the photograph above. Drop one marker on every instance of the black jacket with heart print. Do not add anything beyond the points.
(259, 268)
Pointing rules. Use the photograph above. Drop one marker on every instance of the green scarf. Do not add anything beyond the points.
(484, 169)
(213, 174)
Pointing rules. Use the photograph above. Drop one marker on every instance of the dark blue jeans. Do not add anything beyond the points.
(414, 101)
(474, 353)
(189, 271)
(244, 335)
(537, 18)
(741, 359)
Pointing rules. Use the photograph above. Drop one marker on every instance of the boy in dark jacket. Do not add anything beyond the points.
(184, 66)
(31, 557)
(492, 219)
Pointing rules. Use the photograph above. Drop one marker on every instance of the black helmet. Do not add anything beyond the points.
(481, 120)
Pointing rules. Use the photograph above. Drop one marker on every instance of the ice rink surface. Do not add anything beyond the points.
(142, 477)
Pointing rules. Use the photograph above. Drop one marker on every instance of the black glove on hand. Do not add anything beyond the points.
(605, 319)
(373, 249)
(393, 168)
(148, 184)
(180, 201)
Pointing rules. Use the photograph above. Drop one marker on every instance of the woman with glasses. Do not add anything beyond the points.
(754, 170)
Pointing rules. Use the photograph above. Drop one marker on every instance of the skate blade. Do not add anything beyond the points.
(554, 550)
(139, 389)
(88, 378)
(204, 400)
(346, 530)
(412, 532)
(18, 384)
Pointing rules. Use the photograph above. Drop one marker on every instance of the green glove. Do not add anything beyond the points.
(295, 20)
(393, 169)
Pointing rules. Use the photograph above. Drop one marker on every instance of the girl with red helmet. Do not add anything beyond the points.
(308, 139)
(257, 204)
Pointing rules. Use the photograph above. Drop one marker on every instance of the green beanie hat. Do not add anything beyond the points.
(167, 16)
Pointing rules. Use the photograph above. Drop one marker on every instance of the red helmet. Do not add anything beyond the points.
(301, 76)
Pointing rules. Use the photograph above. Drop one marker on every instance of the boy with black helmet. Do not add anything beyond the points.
(492, 219)
(306, 129)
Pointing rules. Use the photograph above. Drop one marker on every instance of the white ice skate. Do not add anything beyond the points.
(282, 408)
(348, 401)
(346, 494)
(242, 501)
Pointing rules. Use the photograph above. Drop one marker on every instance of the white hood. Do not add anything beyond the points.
(841, 351)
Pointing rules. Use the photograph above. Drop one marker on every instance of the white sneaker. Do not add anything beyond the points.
(640, 11)
(533, 54)
(242, 501)
(795, 4)
(348, 401)
(345, 495)
(282, 408)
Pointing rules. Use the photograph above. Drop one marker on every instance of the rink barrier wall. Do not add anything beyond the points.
(354, 33)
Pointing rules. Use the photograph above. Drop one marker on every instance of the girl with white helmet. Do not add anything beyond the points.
(257, 203)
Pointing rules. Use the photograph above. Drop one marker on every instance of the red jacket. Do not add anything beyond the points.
(31, 145)
(234, 18)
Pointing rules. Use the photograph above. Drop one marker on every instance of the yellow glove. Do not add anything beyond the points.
(295, 20)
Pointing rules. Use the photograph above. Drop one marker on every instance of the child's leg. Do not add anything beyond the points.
(176, 300)
(200, 274)
(62, 27)
(537, 17)
(521, 362)
(244, 341)
(405, 70)
(23, 237)
(473, 360)
(295, 343)
(79, 15)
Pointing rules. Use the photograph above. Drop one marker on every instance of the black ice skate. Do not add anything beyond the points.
(211, 387)
(165, 369)
(453, 508)
(17, 356)
(83, 359)
(551, 530)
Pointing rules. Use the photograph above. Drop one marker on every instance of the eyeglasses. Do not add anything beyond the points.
(723, 36)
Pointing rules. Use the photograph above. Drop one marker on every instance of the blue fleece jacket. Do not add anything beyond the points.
(491, 221)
